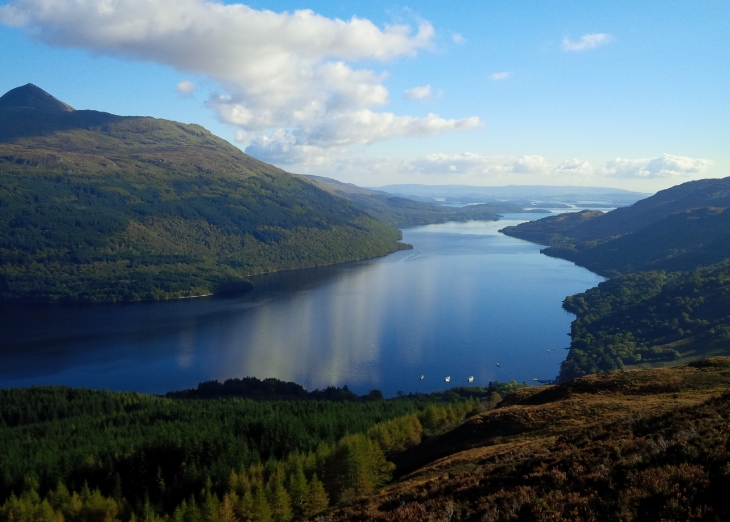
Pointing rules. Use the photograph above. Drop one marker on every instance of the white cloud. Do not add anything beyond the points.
(458, 39)
(186, 88)
(419, 93)
(587, 41)
(664, 166)
(498, 76)
(291, 70)
(574, 168)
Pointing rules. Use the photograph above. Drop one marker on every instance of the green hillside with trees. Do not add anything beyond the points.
(84, 455)
(98, 207)
(668, 257)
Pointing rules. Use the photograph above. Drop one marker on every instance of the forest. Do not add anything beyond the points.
(101, 455)
(649, 318)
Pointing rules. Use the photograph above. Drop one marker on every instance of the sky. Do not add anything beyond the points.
(621, 94)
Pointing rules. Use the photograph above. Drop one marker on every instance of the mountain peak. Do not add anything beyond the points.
(30, 96)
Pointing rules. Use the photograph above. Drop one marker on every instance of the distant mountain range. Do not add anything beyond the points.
(403, 212)
(521, 195)
(99, 207)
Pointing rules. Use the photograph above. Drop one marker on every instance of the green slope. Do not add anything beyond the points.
(98, 207)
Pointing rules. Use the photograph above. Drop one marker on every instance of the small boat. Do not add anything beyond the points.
(471, 378)
(422, 377)
(535, 379)
(548, 351)
(448, 378)
(497, 365)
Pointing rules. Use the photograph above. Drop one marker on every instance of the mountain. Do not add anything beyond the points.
(679, 228)
(405, 212)
(644, 445)
(99, 207)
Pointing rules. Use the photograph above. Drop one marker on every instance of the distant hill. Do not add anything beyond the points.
(521, 195)
(680, 228)
(405, 212)
(99, 207)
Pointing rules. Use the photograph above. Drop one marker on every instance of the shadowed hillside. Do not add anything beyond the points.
(680, 228)
(98, 207)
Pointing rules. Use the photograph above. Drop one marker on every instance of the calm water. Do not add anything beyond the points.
(464, 299)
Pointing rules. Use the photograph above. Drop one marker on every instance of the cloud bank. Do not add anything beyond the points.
(475, 169)
(279, 71)
(664, 166)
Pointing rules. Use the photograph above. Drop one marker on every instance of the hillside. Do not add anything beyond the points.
(679, 228)
(649, 318)
(404, 212)
(98, 207)
(640, 445)
(668, 258)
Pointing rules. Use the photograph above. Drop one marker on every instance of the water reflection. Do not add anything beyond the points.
(464, 299)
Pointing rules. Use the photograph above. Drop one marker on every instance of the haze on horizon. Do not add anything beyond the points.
(374, 93)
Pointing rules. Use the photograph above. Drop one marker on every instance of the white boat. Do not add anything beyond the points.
(535, 379)
(422, 377)
(497, 365)
(471, 378)
(448, 378)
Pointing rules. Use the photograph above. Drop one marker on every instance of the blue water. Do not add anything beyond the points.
(464, 299)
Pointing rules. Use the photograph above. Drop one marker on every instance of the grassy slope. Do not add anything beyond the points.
(639, 445)
(101, 207)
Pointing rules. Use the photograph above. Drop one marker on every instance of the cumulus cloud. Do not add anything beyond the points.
(498, 76)
(458, 39)
(291, 70)
(664, 166)
(587, 41)
(418, 93)
(186, 88)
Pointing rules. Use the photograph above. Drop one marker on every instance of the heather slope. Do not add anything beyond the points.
(638, 445)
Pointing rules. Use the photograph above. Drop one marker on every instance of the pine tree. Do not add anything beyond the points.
(226, 511)
(298, 490)
(261, 510)
(317, 499)
(281, 503)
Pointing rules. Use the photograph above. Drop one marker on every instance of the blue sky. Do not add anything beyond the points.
(623, 94)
